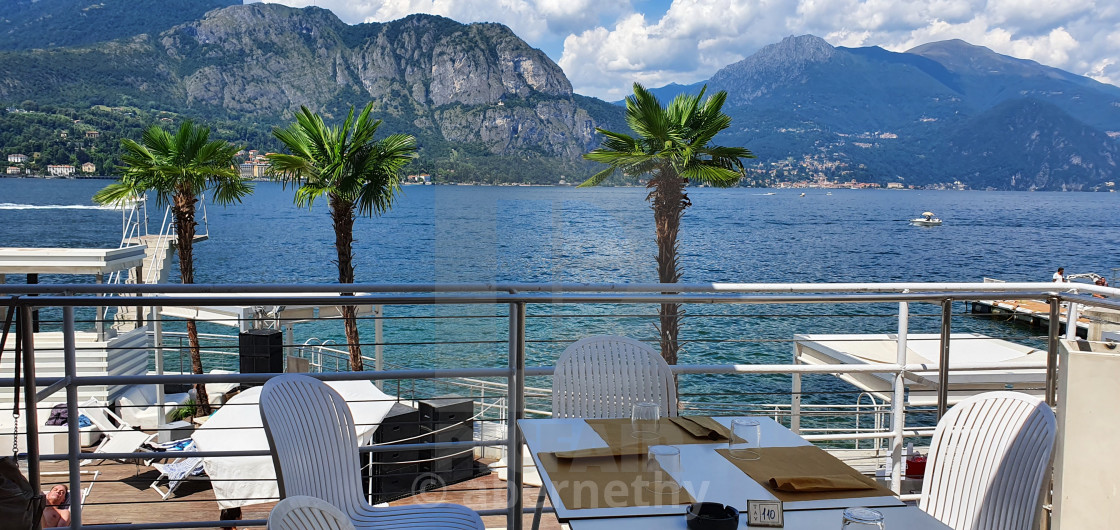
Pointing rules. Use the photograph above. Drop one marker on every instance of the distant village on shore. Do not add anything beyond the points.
(253, 165)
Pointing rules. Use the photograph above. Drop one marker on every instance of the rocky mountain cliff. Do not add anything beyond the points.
(476, 86)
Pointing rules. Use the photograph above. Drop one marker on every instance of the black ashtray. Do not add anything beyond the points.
(711, 516)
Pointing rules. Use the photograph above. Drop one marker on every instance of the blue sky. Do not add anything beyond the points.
(606, 45)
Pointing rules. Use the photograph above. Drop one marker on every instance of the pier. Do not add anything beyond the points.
(1029, 312)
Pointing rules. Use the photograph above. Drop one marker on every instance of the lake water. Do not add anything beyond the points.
(560, 234)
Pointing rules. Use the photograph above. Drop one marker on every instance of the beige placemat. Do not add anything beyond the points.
(802, 462)
(620, 433)
(608, 482)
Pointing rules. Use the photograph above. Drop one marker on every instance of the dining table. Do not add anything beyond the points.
(596, 475)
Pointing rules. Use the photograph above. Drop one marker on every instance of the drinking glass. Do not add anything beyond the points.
(662, 463)
(862, 519)
(744, 440)
(644, 418)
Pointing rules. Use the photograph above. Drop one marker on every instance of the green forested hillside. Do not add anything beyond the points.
(29, 24)
(59, 134)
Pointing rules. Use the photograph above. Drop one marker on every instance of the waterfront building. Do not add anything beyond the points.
(64, 170)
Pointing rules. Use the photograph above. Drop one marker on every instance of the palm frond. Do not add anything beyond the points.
(677, 137)
(186, 162)
(598, 178)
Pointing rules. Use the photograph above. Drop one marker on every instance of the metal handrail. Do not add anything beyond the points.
(166, 229)
(519, 297)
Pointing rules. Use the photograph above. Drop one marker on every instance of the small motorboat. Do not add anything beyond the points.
(927, 219)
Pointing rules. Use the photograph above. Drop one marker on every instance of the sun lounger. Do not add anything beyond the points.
(177, 471)
(119, 438)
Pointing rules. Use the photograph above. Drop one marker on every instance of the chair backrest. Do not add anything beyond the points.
(101, 417)
(138, 396)
(988, 462)
(604, 376)
(307, 513)
(314, 447)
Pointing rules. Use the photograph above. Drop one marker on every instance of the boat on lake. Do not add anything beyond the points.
(927, 219)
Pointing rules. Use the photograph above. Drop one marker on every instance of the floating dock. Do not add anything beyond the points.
(1030, 312)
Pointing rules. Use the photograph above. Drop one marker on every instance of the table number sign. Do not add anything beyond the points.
(765, 513)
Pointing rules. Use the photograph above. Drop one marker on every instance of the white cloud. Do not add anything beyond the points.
(690, 42)
(609, 44)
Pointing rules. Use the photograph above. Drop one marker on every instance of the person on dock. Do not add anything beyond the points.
(57, 512)
(1060, 276)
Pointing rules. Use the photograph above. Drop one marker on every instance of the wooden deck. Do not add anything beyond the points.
(121, 494)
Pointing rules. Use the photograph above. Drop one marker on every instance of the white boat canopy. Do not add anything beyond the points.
(924, 349)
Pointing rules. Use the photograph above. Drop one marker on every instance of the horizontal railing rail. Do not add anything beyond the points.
(512, 397)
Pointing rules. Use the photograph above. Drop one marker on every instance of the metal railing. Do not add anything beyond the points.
(516, 298)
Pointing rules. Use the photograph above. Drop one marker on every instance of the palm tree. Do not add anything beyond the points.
(356, 174)
(672, 146)
(178, 168)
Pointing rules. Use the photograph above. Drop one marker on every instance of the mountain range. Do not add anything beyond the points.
(483, 104)
(487, 107)
(943, 112)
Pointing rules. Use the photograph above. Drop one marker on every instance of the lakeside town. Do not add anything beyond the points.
(254, 165)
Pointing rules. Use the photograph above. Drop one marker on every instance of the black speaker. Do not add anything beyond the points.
(449, 420)
(391, 475)
(446, 411)
(261, 351)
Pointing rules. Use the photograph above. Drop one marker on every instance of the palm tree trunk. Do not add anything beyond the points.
(342, 213)
(668, 203)
(184, 229)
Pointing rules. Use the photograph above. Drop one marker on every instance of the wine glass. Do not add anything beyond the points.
(644, 420)
(744, 440)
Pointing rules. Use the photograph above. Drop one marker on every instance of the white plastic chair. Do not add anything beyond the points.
(138, 406)
(307, 513)
(121, 438)
(988, 462)
(604, 376)
(315, 452)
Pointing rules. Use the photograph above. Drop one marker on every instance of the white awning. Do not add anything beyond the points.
(69, 260)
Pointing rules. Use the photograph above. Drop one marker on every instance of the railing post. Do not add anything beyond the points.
(943, 361)
(516, 393)
(289, 342)
(378, 349)
(73, 444)
(31, 405)
(795, 395)
(157, 338)
(1072, 315)
(898, 407)
(99, 323)
(1052, 351)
